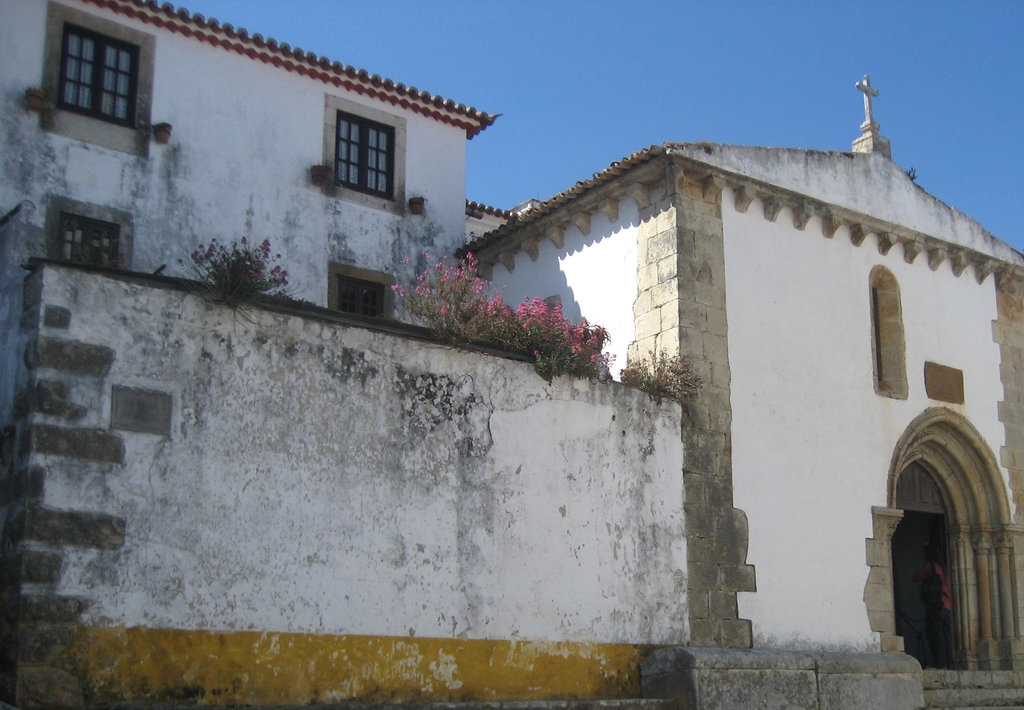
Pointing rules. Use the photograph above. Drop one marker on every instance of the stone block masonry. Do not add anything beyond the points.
(680, 309)
(279, 508)
(39, 617)
(724, 679)
(1008, 333)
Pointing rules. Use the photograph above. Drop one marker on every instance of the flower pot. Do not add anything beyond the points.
(34, 99)
(416, 204)
(162, 132)
(318, 174)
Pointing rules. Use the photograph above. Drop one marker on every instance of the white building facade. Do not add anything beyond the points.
(209, 132)
(858, 346)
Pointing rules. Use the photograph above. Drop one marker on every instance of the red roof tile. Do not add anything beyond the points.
(293, 59)
(480, 207)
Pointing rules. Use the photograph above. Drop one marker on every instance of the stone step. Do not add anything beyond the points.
(973, 690)
(972, 679)
(974, 697)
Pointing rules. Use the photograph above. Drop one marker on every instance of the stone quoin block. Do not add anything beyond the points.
(42, 643)
(38, 567)
(49, 608)
(69, 527)
(87, 444)
(56, 317)
(71, 356)
(52, 398)
(48, 687)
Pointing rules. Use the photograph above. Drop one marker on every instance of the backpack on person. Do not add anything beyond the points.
(931, 590)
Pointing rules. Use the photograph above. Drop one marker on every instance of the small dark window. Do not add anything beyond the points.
(887, 341)
(364, 298)
(98, 76)
(365, 156)
(88, 241)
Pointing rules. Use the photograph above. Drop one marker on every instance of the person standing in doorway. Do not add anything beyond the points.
(938, 605)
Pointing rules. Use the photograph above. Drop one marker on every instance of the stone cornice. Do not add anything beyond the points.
(859, 226)
(655, 170)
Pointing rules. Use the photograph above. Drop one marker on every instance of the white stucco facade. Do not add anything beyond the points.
(812, 441)
(869, 183)
(591, 274)
(245, 135)
(325, 479)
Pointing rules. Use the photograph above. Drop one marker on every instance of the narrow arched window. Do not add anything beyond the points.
(887, 345)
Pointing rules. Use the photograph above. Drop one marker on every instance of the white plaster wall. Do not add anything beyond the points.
(245, 134)
(328, 479)
(593, 274)
(865, 182)
(812, 442)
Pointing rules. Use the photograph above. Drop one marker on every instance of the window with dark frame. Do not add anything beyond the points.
(364, 298)
(365, 155)
(88, 241)
(98, 75)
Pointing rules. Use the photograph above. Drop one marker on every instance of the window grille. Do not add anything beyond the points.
(88, 241)
(364, 298)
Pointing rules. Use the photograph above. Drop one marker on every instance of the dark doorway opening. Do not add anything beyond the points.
(916, 530)
(923, 523)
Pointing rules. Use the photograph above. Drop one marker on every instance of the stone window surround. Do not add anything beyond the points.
(127, 139)
(888, 347)
(57, 204)
(396, 203)
(378, 277)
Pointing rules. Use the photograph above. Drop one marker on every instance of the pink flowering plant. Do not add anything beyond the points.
(663, 375)
(560, 347)
(237, 273)
(458, 305)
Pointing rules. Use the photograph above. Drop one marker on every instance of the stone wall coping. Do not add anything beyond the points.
(284, 307)
(636, 175)
(676, 658)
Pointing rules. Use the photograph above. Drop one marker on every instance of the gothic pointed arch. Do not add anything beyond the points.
(982, 542)
(951, 449)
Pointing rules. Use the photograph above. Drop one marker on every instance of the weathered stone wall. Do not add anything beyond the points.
(262, 507)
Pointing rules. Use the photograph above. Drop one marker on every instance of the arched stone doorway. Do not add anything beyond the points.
(923, 523)
(941, 448)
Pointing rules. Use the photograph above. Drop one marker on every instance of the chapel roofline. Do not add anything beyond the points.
(295, 60)
(638, 175)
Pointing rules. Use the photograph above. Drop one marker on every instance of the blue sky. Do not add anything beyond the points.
(582, 84)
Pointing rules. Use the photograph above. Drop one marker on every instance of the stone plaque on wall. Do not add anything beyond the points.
(140, 410)
(944, 383)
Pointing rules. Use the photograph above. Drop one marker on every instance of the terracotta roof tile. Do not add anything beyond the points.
(480, 207)
(293, 59)
(617, 168)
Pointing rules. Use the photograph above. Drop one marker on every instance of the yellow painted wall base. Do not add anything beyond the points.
(220, 668)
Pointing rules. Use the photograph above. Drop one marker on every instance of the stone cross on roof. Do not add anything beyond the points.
(870, 140)
(865, 86)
